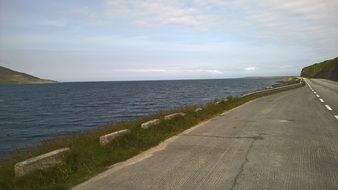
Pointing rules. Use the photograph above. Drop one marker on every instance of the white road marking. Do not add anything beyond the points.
(328, 107)
(283, 121)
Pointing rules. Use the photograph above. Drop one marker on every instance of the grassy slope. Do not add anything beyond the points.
(8, 76)
(327, 69)
(88, 158)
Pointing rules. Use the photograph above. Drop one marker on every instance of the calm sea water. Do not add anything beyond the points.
(30, 114)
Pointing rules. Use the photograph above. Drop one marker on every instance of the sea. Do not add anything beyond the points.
(33, 113)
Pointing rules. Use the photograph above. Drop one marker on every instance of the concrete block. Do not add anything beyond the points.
(172, 116)
(150, 123)
(43, 161)
(198, 109)
(105, 139)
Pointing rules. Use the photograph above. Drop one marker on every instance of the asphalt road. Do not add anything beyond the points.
(327, 91)
(284, 141)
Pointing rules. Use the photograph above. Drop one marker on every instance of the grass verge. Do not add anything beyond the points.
(87, 158)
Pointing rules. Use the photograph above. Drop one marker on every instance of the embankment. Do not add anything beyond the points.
(327, 70)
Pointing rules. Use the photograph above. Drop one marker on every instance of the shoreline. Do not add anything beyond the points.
(73, 108)
(86, 145)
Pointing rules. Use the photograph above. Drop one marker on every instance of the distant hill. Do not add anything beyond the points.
(8, 76)
(327, 70)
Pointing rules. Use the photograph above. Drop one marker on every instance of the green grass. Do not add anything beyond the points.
(321, 70)
(286, 81)
(87, 158)
(8, 76)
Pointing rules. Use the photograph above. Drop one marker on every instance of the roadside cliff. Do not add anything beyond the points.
(327, 70)
(8, 76)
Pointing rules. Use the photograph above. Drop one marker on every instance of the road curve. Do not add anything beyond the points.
(327, 92)
(284, 141)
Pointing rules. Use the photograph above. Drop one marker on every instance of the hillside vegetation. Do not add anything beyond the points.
(327, 70)
(8, 76)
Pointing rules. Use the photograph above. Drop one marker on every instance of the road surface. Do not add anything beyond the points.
(284, 141)
(327, 92)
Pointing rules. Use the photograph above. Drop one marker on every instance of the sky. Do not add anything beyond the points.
(113, 40)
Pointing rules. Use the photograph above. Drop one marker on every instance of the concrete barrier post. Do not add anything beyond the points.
(198, 109)
(43, 161)
(150, 123)
(105, 139)
(172, 116)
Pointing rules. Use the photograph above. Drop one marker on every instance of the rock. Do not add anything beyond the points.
(43, 161)
(105, 139)
(171, 116)
(150, 123)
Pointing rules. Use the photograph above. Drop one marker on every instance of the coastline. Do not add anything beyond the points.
(88, 158)
(32, 114)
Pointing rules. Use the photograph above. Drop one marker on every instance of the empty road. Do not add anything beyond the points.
(326, 91)
(284, 141)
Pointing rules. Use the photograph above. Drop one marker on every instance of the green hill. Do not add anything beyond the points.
(8, 76)
(327, 70)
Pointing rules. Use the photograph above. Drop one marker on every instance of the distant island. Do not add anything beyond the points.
(8, 76)
(327, 70)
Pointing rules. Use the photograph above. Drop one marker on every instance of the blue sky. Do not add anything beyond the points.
(87, 40)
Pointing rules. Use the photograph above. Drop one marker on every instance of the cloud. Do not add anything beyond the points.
(250, 68)
(53, 23)
(217, 72)
(171, 71)
(8, 41)
(158, 12)
(307, 22)
(288, 21)
(177, 37)
(149, 70)
(143, 43)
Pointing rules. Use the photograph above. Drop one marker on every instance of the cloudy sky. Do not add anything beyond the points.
(87, 40)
